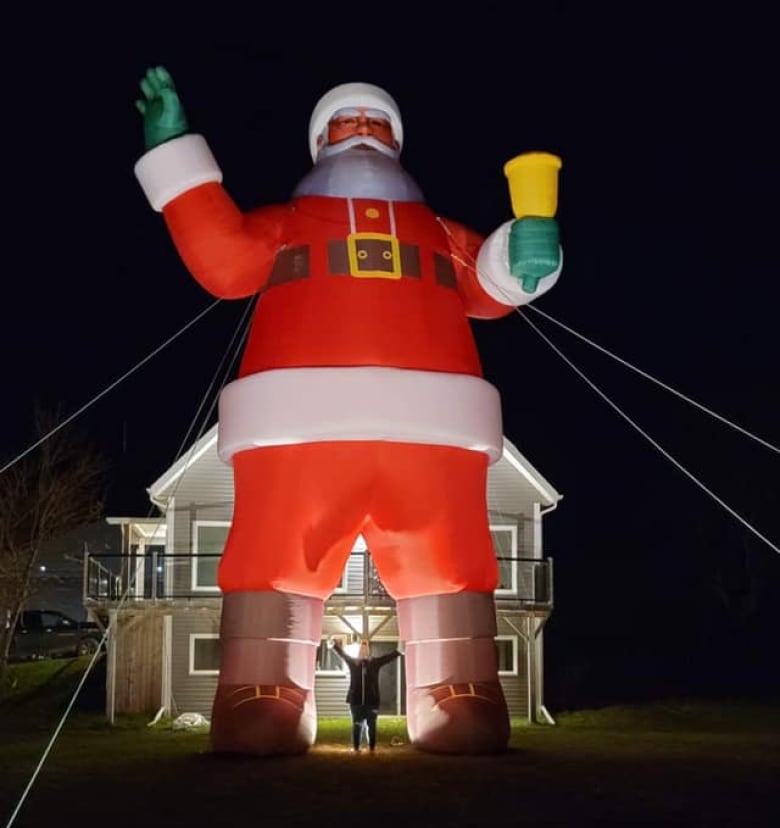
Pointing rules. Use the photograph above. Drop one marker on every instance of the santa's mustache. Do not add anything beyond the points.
(367, 141)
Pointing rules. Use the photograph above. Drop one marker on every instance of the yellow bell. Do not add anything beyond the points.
(533, 183)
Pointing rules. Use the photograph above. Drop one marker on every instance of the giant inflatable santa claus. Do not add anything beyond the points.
(359, 407)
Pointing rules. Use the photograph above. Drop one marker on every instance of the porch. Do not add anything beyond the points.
(165, 626)
(162, 578)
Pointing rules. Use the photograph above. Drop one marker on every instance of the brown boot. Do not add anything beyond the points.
(264, 703)
(469, 718)
(264, 720)
(454, 701)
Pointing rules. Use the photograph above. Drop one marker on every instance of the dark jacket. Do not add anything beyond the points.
(364, 676)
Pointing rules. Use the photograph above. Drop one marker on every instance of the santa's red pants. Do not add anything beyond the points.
(422, 510)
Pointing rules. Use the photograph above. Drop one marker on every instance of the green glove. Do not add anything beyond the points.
(161, 108)
(534, 250)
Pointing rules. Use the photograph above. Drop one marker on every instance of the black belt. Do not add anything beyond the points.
(362, 255)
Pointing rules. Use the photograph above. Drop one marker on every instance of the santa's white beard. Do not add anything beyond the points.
(359, 172)
(329, 150)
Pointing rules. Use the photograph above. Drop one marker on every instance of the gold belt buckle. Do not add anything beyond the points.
(374, 256)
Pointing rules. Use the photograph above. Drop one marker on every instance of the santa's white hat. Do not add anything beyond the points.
(353, 95)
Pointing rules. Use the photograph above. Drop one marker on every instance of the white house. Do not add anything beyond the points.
(161, 593)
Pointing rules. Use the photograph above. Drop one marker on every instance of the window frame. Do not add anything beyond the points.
(515, 579)
(343, 671)
(343, 585)
(196, 524)
(194, 638)
(513, 639)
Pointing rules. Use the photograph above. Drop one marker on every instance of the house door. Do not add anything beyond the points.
(390, 678)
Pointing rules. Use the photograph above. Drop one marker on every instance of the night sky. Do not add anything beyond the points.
(666, 124)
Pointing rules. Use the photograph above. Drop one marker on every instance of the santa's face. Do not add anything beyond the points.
(358, 127)
(360, 121)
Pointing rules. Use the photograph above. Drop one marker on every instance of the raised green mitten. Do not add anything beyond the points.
(534, 250)
(161, 108)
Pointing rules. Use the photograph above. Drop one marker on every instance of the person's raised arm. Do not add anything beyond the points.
(337, 644)
(387, 657)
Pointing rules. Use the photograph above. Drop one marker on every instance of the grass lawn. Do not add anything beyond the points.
(663, 764)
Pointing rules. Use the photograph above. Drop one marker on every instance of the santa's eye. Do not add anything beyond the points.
(342, 123)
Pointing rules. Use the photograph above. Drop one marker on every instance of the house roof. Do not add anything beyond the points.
(148, 530)
(513, 482)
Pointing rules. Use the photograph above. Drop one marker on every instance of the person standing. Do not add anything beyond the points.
(363, 693)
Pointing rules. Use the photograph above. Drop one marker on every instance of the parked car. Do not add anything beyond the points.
(51, 634)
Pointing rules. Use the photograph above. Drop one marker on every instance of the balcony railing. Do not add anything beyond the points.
(525, 583)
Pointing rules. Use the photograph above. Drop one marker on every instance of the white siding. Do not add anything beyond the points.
(205, 492)
(192, 694)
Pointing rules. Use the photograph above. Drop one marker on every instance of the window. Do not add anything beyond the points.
(328, 661)
(208, 541)
(56, 619)
(204, 654)
(505, 545)
(343, 584)
(506, 647)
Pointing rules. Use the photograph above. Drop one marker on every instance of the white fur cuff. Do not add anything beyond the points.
(495, 276)
(174, 167)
